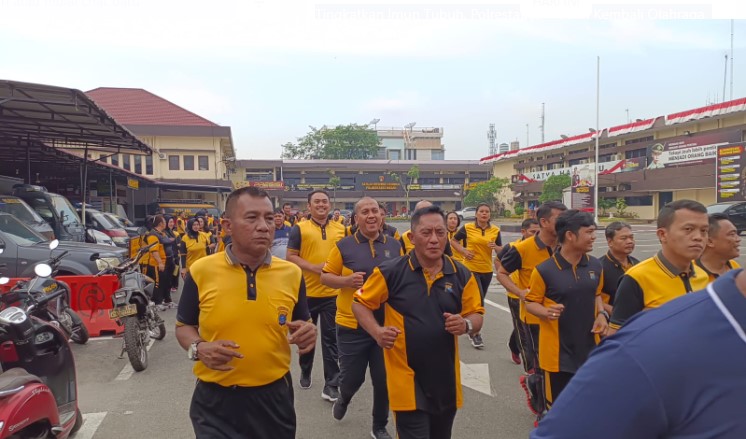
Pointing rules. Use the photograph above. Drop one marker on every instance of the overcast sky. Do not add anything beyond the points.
(268, 69)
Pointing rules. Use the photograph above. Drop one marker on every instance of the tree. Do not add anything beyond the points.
(406, 180)
(605, 204)
(621, 206)
(553, 186)
(344, 142)
(485, 192)
(334, 182)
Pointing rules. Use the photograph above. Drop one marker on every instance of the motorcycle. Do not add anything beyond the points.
(57, 312)
(38, 388)
(133, 308)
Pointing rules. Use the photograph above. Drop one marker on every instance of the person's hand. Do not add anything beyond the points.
(469, 255)
(356, 280)
(491, 245)
(183, 273)
(319, 268)
(455, 324)
(386, 336)
(554, 311)
(302, 334)
(217, 354)
(601, 325)
(161, 266)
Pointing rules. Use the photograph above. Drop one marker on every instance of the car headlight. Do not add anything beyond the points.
(105, 263)
(120, 239)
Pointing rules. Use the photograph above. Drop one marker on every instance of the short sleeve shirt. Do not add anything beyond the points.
(314, 242)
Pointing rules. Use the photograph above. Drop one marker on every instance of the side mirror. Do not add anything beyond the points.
(54, 244)
(43, 270)
(94, 257)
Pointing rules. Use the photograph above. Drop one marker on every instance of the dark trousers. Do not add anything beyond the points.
(484, 280)
(554, 384)
(357, 351)
(167, 280)
(518, 328)
(528, 337)
(323, 311)
(422, 425)
(155, 274)
(264, 412)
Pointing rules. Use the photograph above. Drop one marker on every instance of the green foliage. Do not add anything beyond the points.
(485, 192)
(605, 204)
(344, 142)
(519, 209)
(334, 182)
(405, 180)
(553, 186)
(621, 206)
(506, 213)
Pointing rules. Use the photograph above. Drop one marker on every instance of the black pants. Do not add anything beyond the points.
(168, 280)
(264, 412)
(423, 425)
(554, 384)
(156, 275)
(513, 343)
(357, 351)
(484, 280)
(528, 337)
(519, 330)
(325, 310)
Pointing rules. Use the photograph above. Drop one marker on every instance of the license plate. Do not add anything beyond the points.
(123, 311)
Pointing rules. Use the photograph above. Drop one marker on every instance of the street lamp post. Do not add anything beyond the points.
(598, 135)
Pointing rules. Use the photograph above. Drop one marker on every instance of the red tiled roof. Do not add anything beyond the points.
(135, 106)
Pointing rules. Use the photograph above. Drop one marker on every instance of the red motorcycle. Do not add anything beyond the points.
(38, 388)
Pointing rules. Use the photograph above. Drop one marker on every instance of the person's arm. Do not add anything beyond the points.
(331, 275)
(471, 309)
(368, 299)
(601, 325)
(535, 299)
(613, 396)
(497, 245)
(510, 262)
(155, 251)
(459, 237)
(183, 257)
(301, 328)
(293, 252)
(629, 300)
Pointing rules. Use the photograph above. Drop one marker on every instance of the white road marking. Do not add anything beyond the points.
(91, 422)
(476, 377)
(497, 305)
(127, 370)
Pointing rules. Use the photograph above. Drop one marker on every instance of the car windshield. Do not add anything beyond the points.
(19, 232)
(718, 208)
(18, 209)
(65, 210)
(104, 221)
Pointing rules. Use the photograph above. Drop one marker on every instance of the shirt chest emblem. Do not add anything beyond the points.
(282, 315)
(449, 288)
(592, 275)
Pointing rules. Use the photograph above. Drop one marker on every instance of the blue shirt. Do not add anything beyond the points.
(678, 371)
(280, 243)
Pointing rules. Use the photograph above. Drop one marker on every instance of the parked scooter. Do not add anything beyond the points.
(38, 388)
(57, 312)
(132, 307)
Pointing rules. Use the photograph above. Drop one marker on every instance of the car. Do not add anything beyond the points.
(735, 210)
(23, 248)
(54, 209)
(124, 223)
(467, 213)
(18, 208)
(97, 220)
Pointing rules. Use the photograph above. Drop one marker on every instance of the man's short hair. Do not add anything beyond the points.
(714, 220)
(425, 211)
(614, 227)
(317, 191)
(572, 220)
(251, 191)
(666, 214)
(356, 208)
(279, 212)
(336, 210)
(545, 210)
(527, 223)
(287, 204)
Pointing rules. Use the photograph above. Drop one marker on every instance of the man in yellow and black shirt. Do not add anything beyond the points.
(290, 219)
(349, 264)
(565, 294)
(309, 245)
(406, 239)
(722, 249)
(239, 312)
(617, 260)
(388, 229)
(682, 230)
(428, 300)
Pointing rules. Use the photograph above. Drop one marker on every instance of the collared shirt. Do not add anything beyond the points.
(193, 249)
(650, 284)
(613, 271)
(523, 257)
(564, 344)
(675, 372)
(354, 254)
(407, 245)
(732, 264)
(422, 369)
(280, 242)
(313, 242)
(392, 231)
(456, 255)
(514, 275)
(477, 240)
(229, 301)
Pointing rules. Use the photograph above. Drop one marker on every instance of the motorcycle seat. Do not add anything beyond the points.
(15, 378)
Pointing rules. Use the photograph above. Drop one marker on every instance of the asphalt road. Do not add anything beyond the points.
(154, 403)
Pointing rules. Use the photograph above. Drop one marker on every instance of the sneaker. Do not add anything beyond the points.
(173, 304)
(380, 433)
(477, 342)
(339, 409)
(161, 307)
(530, 384)
(330, 393)
(515, 358)
(305, 381)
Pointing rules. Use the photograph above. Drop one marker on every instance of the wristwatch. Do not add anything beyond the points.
(192, 351)
(605, 314)
(469, 326)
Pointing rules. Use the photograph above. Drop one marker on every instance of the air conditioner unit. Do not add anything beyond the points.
(161, 155)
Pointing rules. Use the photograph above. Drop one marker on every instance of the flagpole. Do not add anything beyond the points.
(598, 135)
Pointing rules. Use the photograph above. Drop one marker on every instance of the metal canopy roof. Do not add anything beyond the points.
(60, 117)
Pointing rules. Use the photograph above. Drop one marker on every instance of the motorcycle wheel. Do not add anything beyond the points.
(159, 333)
(78, 421)
(134, 344)
(78, 334)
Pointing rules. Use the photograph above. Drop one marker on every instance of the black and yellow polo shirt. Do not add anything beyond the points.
(229, 301)
(407, 245)
(422, 369)
(193, 249)
(353, 254)
(732, 264)
(313, 242)
(650, 284)
(565, 343)
(456, 255)
(613, 271)
(392, 231)
(477, 240)
(523, 257)
(514, 275)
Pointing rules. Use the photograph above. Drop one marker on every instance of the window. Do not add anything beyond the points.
(411, 154)
(115, 160)
(575, 162)
(607, 145)
(189, 163)
(425, 180)
(204, 164)
(126, 161)
(138, 164)
(173, 163)
(149, 164)
(641, 139)
(645, 200)
(605, 158)
(437, 154)
(102, 157)
(642, 152)
(394, 155)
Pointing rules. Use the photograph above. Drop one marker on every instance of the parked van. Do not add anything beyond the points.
(55, 209)
(19, 209)
(177, 207)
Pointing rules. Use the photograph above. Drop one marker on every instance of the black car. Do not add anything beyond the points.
(735, 210)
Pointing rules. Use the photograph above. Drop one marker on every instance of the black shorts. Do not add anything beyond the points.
(263, 412)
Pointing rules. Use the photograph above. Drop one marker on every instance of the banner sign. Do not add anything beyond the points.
(731, 173)
(381, 186)
(427, 187)
(133, 184)
(688, 150)
(582, 188)
(266, 185)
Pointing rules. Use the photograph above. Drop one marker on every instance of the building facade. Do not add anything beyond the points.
(411, 143)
